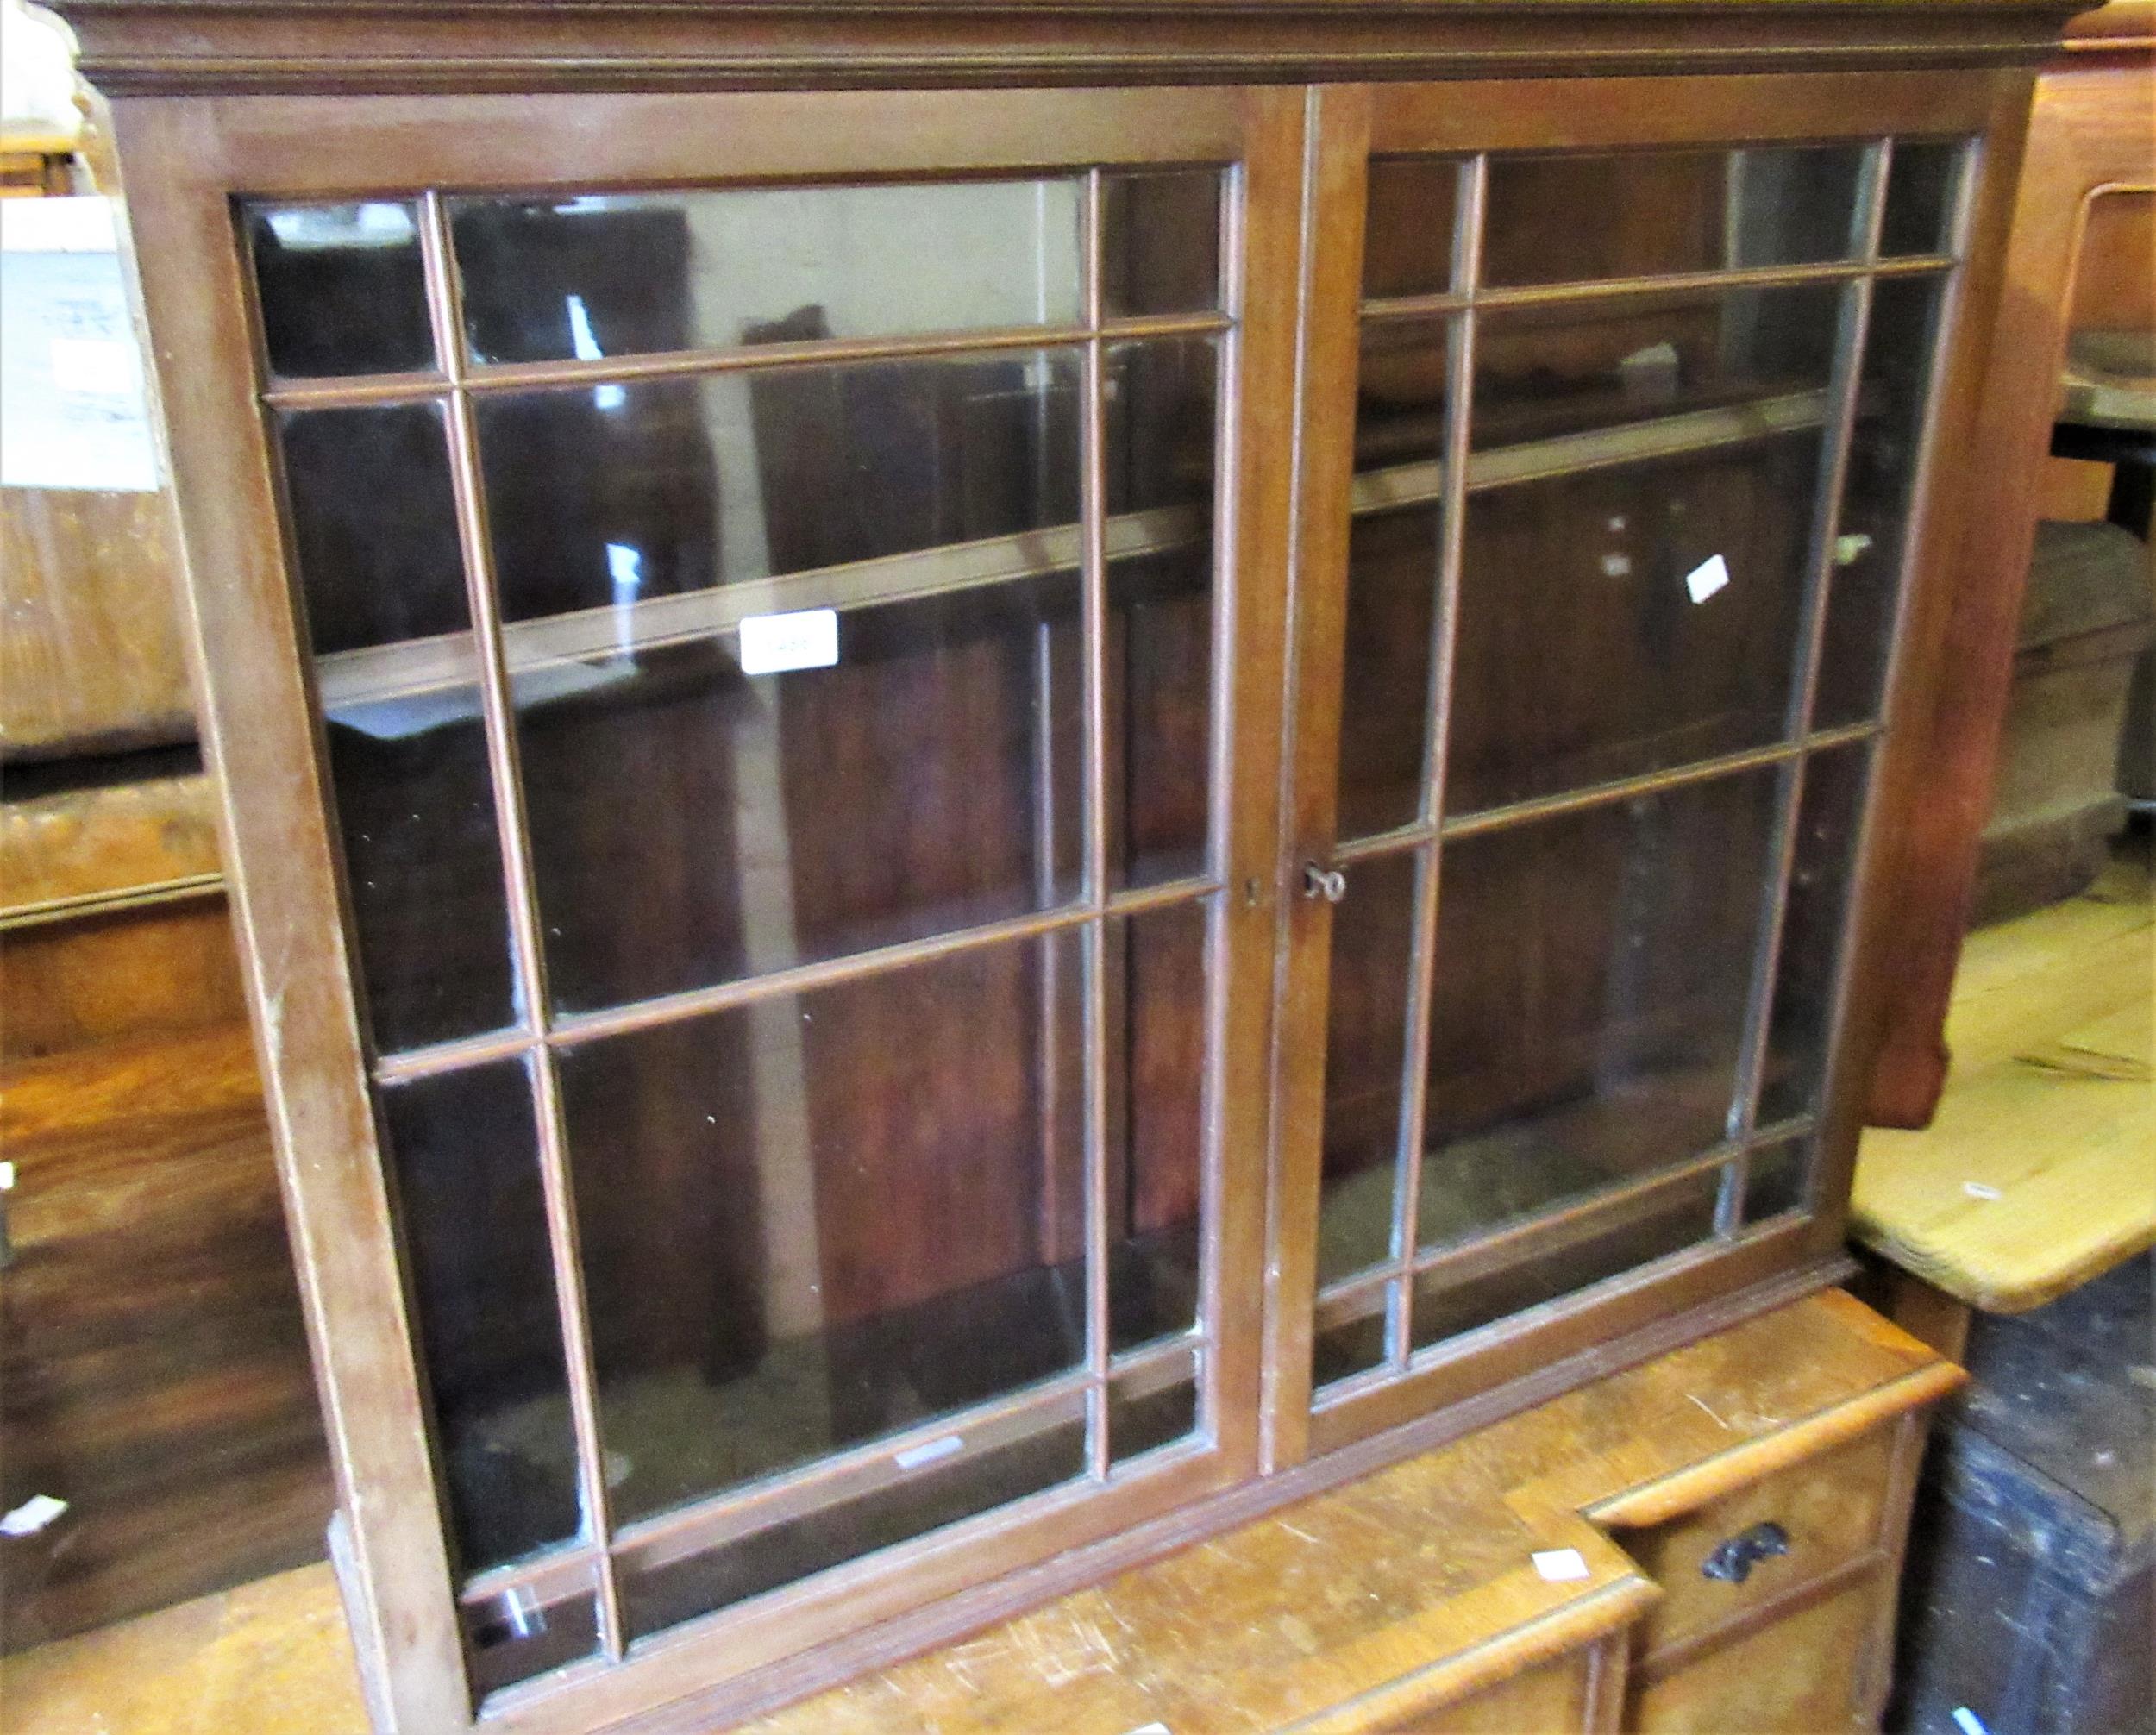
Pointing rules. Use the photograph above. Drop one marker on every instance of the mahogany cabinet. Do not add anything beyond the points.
(1003, 780)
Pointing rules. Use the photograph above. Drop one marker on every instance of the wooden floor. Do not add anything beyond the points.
(2039, 1170)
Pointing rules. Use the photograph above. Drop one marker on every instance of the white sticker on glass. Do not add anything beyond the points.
(771, 644)
(1709, 576)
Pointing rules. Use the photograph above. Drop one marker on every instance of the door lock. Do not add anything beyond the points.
(1328, 883)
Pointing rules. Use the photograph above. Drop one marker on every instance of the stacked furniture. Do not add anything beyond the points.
(1005, 781)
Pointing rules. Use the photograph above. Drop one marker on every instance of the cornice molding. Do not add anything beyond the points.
(238, 46)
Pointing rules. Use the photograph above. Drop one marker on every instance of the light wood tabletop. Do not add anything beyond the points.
(2039, 1171)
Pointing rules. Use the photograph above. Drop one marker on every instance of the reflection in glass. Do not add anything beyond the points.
(464, 1151)
(802, 1228)
(1159, 416)
(1579, 218)
(1629, 620)
(659, 1591)
(1812, 933)
(1407, 240)
(1775, 1180)
(1923, 186)
(1156, 965)
(608, 274)
(515, 1636)
(1152, 1406)
(1592, 975)
(373, 524)
(1393, 559)
(691, 824)
(339, 289)
(1668, 1220)
(602, 498)
(1864, 583)
(1340, 1352)
(1544, 371)
(415, 808)
(1366, 1035)
(1160, 241)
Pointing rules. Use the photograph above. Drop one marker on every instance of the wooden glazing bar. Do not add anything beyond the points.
(1400, 837)
(567, 1030)
(1651, 782)
(469, 495)
(1093, 636)
(1414, 1094)
(1520, 1240)
(1812, 633)
(354, 393)
(674, 364)
(839, 1476)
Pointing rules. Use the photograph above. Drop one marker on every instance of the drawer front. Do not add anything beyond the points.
(1721, 1560)
(1794, 1676)
(1548, 1700)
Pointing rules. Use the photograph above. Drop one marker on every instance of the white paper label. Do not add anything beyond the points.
(929, 1451)
(771, 644)
(73, 412)
(31, 1516)
(1561, 1565)
(1981, 1189)
(1710, 575)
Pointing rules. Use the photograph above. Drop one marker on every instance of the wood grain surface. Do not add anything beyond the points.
(2035, 1175)
(1399, 1594)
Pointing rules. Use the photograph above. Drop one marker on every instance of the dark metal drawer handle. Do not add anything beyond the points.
(1731, 1561)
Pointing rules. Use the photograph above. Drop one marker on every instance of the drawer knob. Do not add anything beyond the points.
(1732, 1561)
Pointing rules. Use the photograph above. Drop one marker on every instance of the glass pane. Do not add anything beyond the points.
(522, 1633)
(1365, 1062)
(1340, 1352)
(1672, 1218)
(1541, 372)
(1152, 1406)
(1820, 880)
(1392, 556)
(465, 1153)
(604, 497)
(1407, 241)
(1863, 586)
(415, 807)
(1592, 975)
(373, 524)
(691, 824)
(1156, 987)
(1775, 1180)
(658, 1591)
(341, 289)
(1160, 243)
(819, 1218)
(1578, 218)
(1159, 450)
(628, 274)
(1629, 620)
(1923, 185)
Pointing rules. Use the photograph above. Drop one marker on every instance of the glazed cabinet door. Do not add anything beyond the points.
(1617, 405)
(743, 639)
